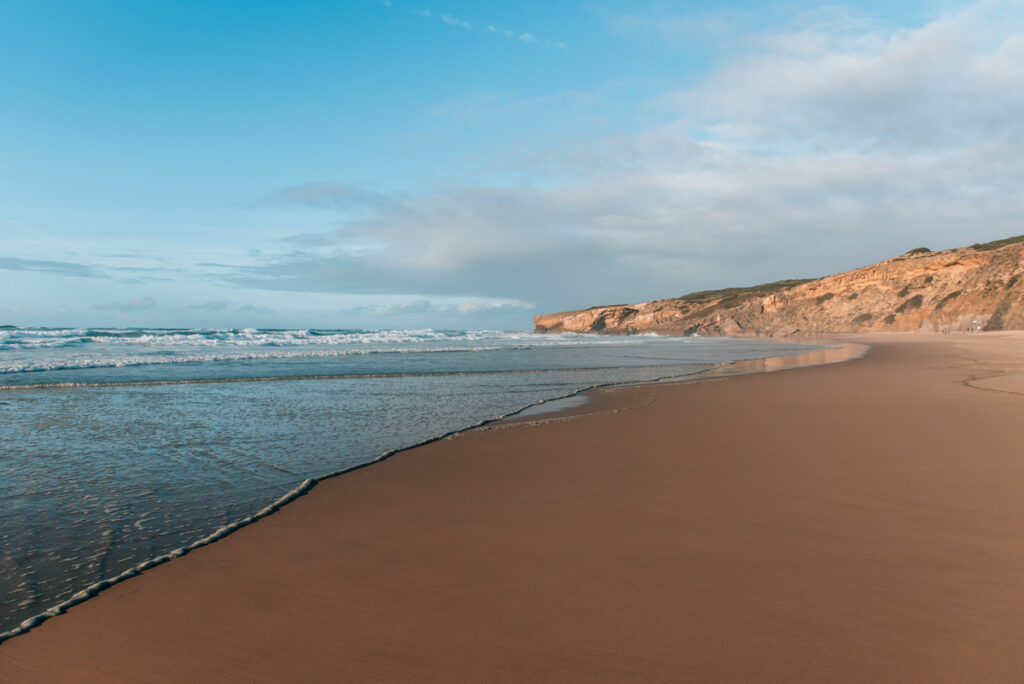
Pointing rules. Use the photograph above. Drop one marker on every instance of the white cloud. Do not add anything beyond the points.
(136, 304)
(253, 310)
(813, 152)
(425, 307)
(473, 307)
(449, 19)
(954, 80)
(65, 268)
(489, 28)
(213, 305)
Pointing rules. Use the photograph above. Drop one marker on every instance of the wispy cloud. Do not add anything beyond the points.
(253, 310)
(136, 304)
(491, 28)
(213, 305)
(474, 307)
(423, 307)
(449, 19)
(225, 305)
(65, 268)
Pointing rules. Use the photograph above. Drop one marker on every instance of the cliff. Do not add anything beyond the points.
(971, 288)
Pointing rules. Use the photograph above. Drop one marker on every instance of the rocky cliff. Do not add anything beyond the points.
(971, 288)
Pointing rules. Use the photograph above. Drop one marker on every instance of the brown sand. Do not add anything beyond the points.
(854, 522)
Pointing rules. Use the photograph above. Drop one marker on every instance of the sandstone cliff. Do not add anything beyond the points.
(971, 288)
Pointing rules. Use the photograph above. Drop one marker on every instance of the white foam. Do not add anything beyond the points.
(41, 349)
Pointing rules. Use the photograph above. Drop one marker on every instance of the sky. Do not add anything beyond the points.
(454, 164)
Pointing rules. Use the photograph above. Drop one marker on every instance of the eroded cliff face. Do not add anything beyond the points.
(971, 288)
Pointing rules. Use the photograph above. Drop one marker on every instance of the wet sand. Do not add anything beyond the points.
(854, 522)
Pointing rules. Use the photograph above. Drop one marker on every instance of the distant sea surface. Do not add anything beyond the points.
(122, 445)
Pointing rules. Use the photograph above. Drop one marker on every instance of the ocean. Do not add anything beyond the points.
(122, 447)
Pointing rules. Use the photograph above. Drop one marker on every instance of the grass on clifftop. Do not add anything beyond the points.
(742, 292)
(715, 300)
(996, 244)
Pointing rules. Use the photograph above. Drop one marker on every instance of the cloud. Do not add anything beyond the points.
(137, 304)
(449, 19)
(952, 82)
(418, 306)
(488, 28)
(219, 305)
(65, 268)
(254, 310)
(814, 151)
(475, 307)
(423, 307)
(213, 305)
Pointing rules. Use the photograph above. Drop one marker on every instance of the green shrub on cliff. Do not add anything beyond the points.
(996, 244)
(945, 300)
(912, 303)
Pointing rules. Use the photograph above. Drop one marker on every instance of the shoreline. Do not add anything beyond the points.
(92, 591)
(618, 546)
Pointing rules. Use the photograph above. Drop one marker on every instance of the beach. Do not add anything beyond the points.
(860, 521)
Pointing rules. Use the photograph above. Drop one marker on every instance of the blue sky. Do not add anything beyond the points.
(469, 164)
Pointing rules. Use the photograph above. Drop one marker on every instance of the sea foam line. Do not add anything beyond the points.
(197, 358)
(304, 488)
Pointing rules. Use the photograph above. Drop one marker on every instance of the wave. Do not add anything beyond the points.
(27, 350)
(34, 338)
(127, 362)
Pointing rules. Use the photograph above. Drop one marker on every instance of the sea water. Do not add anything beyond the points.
(118, 446)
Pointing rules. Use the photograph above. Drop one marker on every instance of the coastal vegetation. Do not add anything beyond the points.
(912, 303)
(944, 290)
(996, 244)
(947, 298)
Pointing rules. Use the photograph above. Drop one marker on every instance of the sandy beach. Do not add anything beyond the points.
(861, 521)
